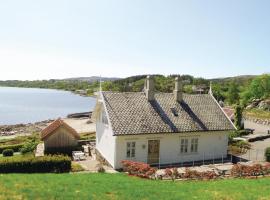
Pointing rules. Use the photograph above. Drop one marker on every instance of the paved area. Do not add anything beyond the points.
(259, 128)
(256, 153)
(90, 165)
(81, 125)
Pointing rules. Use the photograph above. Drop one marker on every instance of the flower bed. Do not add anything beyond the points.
(139, 169)
(238, 170)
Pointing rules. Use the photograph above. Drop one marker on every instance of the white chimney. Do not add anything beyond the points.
(149, 88)
(178, 91)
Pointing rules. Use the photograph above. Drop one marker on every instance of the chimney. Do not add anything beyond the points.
(149, 88)
(178, 91)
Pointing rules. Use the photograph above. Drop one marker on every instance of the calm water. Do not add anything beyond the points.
(24, 105)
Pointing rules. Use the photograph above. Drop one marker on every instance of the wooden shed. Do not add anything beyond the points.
(59, 135)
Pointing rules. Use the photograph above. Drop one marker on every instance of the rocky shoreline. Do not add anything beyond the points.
(23, 129)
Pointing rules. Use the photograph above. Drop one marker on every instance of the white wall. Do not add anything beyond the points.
(210, 145)
(105, 141)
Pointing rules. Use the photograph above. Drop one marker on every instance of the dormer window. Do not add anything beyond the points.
(174, 111)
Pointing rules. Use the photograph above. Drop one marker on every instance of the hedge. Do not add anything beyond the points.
(61, 150)
(45, 164)
(14, 147)
(8, 152)
(267, 154)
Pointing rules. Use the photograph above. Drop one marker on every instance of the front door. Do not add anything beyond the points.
(153, 151)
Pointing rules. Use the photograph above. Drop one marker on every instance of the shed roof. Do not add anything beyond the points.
(49, 130)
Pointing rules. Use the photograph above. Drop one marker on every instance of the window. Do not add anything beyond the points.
(194, 145)
(131, 147)
(104, 118)
(184, 146)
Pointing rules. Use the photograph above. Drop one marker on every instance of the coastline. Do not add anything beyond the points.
(73, 92)
(81, 125)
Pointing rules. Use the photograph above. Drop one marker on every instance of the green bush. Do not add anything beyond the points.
(45, 164)
(8, 152)
(15, 147)
(29, 147)
(267, 154)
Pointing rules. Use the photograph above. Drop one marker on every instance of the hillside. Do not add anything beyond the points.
(231, 90)
(90, 79)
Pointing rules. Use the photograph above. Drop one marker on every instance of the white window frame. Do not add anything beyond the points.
(183, 145)
(131, 149)
(194, 143)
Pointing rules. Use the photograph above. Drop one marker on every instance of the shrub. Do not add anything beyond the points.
(8, 152)
(193, 174)
(29, 147)
(14, 147)
(267, 154)
(239, 170)
(139, 169)
(75, 167)
(31, 164)
(65, 151)
(172, 173)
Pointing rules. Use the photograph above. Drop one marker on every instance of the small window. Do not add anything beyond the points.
(194, 145)
(131, 149)
(184, 146)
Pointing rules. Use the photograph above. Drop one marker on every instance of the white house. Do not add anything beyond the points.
(160, 127)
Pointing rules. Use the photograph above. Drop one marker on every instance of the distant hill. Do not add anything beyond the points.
(241, 78)
(91, 79)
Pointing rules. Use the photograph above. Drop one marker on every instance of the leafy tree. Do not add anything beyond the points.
(238, 115)
(233, 93)
(217, 92)
(259, 88)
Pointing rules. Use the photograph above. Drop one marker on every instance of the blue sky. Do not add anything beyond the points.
(67, 38)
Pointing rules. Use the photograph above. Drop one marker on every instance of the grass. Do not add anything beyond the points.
(120, 186)
(88, 136)
(19, 139)
(256, 113)
(16, 154)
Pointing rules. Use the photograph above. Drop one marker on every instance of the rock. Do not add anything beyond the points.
(250, 106)
(264, 105)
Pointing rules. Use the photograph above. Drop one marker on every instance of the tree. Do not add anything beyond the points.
(217, 92)
(238, 115)
(259, 88)
(233, 93)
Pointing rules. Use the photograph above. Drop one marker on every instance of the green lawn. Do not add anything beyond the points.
(120, 186)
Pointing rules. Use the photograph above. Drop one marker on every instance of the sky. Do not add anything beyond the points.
(119, 38)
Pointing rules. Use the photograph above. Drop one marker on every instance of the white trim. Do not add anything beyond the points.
(105, 109)
(223, 111)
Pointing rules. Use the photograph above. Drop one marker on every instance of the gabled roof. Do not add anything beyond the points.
(49, 130)
(131, 113)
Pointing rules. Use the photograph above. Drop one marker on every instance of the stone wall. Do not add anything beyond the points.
(259, 121)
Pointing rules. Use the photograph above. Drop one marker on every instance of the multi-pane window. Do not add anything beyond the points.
(131, 149)
(104, 118)
(194, 145)
(184, 145)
